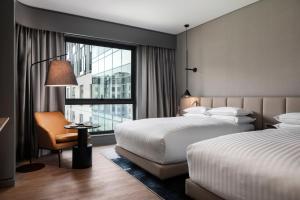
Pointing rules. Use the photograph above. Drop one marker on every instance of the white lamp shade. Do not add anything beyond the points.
(189, 102)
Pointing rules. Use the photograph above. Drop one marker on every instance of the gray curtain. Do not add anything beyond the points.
(32, 46)
(156, 89)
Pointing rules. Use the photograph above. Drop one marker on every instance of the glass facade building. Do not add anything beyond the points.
(103, 73)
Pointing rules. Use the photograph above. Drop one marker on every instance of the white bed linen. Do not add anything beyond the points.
(259, 165)
(164, 140)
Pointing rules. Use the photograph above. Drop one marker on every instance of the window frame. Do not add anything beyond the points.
(110, 101)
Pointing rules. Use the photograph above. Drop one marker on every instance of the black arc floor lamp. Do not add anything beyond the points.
(187, 93)
(60, 74)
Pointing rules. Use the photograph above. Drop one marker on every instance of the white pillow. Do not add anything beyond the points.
(195, 115)
(289, 118)
(229, 111)
(283, 125)
(235, 119)
(196, 110)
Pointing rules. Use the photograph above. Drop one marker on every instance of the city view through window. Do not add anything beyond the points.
(103, 73)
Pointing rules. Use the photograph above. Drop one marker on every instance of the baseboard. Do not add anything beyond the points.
(7, 182)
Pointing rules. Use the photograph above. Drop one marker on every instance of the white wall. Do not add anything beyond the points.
(254, 51)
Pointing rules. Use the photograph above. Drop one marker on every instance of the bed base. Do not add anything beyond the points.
(197, 192)
(161, 171)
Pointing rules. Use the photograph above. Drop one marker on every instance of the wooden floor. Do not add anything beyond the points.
(104, 180)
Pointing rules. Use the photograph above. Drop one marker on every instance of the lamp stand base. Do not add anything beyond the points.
(30, 167)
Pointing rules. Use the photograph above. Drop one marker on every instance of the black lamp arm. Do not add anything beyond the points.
(49, 59)
(192, 69)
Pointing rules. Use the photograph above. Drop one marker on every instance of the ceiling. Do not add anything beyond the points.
(166, 16)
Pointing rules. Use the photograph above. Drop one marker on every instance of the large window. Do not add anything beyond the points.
(105, 73)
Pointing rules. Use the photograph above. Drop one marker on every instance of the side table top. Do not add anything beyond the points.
(80, 126)
(3, 122)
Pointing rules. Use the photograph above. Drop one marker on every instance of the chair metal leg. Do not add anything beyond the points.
(58, 152)
(38, 153)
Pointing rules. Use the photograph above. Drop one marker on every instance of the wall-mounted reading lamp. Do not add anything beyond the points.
(187, 69)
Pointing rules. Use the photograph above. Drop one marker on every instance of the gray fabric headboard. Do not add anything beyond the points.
(264, 108)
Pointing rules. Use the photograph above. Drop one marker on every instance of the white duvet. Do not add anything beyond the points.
(259, 165)
(164, 140)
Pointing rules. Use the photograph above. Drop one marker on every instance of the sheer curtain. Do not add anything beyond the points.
(156, 86)
(31, 46)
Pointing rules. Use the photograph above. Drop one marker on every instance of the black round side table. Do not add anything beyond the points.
(82, 153)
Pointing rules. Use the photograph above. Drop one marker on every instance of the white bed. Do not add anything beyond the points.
(164, 140)
(259, 165)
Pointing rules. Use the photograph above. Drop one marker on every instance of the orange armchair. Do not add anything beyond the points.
(52, 134)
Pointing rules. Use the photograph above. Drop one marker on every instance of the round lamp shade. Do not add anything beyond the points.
(60, 74)
(189, 102)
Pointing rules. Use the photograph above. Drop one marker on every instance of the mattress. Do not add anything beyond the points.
(259, 165)
(164, 140)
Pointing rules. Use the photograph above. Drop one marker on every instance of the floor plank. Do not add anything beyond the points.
(104, 180)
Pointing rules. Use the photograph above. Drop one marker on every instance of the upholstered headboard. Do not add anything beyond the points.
(264, 108)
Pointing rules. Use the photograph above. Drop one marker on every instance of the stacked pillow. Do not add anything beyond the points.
(229, 111)
(235, 119)
(288, 120)
(196, 111)
(232, 114)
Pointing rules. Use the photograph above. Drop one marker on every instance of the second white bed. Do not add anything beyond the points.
(164, 140)
(260, 165)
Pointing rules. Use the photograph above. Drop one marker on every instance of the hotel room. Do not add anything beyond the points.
(146, 100)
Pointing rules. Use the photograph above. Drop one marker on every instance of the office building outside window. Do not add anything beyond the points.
(105, 94)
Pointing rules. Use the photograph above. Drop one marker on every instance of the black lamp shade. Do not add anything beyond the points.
(60, 74)
(186, 94)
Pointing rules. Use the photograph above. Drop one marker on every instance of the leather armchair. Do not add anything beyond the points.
(52, 135)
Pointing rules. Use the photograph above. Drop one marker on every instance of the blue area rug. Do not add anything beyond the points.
(171, 189)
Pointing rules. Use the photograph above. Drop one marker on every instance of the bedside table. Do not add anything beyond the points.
(82, 153)
(269, 126)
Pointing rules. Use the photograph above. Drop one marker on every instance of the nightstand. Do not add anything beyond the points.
(82, 152)
(269, 126)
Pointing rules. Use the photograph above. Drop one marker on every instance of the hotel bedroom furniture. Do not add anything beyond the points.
(264, 108)
(257, 165)
(82, 152)
(3, 122)
(60, 74)
(164, 170)
(163, 141)
(52, 135)
(267, 108)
